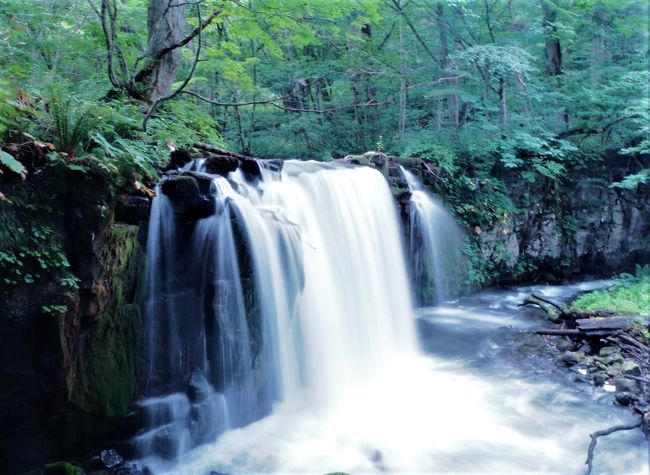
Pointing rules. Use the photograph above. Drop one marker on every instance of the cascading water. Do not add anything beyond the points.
(435, 246)
(332, 304)
(282, 339)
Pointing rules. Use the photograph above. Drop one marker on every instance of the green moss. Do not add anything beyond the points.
(62, 468)
(106, 382)
(628, 297)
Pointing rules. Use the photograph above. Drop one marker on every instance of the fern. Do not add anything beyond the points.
(72, 128)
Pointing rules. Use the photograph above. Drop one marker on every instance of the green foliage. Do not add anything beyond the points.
(38, 257)
(631, 182)
(630, 295)
(62, 468)
(73, 125)
(465, 87)
(12, 164)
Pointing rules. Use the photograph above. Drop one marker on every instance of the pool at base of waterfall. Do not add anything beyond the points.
(483, 398)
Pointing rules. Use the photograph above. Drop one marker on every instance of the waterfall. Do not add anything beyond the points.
(295, 286)
(279, 337)
(435, 246)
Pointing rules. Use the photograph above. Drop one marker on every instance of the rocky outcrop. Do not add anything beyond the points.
(69, 372)
(598, 230)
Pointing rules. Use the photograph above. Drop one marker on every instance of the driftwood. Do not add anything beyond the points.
(611, 430)
(552, 309)
(590, 327)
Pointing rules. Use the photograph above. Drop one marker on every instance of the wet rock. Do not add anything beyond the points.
(205, 182)
(181, 187)
(131, 209)
(198, 388)
(571, 358)
(110, 458)
(564, 344)
(613, 359)
(631, 368)
(221, 165)
(585, 348)
(579, 378)
(274, 165)
(608, 350)
(627, 385)
(600, 378)
(250, 166)
(189, 203)
(178, 158)
(624, 399)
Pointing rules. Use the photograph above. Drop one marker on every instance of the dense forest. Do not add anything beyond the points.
(491, 94)
(528, 119)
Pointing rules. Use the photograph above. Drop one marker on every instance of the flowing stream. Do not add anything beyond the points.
(283, 338)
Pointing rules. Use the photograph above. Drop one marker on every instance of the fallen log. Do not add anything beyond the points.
(610, 324)
(553, 310)
(222, 152)
(559, 332)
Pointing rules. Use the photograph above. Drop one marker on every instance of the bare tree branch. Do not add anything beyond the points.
(600, 433)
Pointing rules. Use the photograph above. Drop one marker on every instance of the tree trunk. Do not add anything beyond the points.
(452, 99)
(552, 42)
(402, 70)
(503, 104)
(165, 22)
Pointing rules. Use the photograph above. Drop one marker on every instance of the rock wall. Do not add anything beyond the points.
(69, 378)
(597, 231)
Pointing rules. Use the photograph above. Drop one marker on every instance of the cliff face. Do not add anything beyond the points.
(69, 370)
(599, 231)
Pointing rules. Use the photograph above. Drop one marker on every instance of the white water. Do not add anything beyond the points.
(435, 246)
(351, 389)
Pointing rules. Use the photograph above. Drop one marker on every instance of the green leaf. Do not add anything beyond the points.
(12, 164)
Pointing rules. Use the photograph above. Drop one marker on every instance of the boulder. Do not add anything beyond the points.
(631, 368)
(570, 358)
(181, 187)
(274, 165)
(185, 192)
(198, 388)
(627, 385)
(600, 378)
(251, 167)
(205, 182)
(110, 458)
(132, 209)
(221, 165)
(178, 158)
(624, 399)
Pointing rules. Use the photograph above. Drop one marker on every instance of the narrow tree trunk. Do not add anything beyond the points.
(503, 104)
(452, 99)
(402, 69)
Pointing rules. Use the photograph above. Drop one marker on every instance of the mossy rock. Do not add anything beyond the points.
(181, 186)
(105, 382)
(62, 468)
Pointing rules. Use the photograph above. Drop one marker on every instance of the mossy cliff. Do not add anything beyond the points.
(69, 324)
